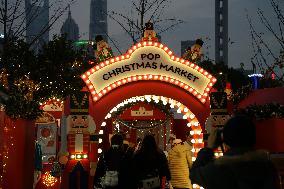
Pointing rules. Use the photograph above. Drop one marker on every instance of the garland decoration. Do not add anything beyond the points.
(265, 111)
(241, 94)
(154, 123)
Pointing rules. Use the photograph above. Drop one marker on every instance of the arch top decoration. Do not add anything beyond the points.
(148, 61)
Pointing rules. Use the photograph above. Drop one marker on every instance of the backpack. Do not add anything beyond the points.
(110, 179)
(151, 181)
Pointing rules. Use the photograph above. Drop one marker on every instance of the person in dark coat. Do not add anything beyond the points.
(241, 167)
(149, 161)
(116, 158)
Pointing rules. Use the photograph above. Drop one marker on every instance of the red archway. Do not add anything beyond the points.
(100, 109)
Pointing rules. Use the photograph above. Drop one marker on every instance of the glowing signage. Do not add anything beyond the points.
(148, 61)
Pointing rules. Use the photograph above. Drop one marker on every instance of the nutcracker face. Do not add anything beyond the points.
(219, 120)
(79, 123)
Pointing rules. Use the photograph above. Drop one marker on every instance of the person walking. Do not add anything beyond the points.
(112, 170)
(150, 165)
(241, 167)
(180, 162)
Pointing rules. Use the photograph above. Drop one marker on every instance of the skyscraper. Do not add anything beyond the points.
(221, 31)
(70, 28)
(98, 19)
(37, 21)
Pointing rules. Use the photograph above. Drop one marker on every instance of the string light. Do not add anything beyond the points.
(48, 180)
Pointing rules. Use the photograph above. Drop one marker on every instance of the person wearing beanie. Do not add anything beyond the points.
(241, 167)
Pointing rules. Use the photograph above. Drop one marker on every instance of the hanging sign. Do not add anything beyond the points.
(141, 112)
(148, 61)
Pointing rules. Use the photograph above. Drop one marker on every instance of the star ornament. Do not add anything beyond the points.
(148, 61)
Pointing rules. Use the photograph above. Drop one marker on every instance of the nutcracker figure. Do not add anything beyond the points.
(79, 126)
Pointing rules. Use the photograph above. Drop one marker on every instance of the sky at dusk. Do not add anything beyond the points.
(198, 17)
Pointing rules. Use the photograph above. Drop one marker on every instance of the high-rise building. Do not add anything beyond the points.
(186, 44)
(37, 22)
(221, 31)
(98, 19)
(70, 28)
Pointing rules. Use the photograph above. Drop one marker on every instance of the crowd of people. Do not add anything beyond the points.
(148, 167)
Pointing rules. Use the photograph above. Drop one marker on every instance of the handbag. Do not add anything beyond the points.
(110, 179)
(151, 181)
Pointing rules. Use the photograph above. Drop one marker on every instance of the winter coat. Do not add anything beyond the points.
(150, 163)
(180, 162)
(237, 169)
(115, 159)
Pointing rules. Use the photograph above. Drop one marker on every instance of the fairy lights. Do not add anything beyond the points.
(49, 180)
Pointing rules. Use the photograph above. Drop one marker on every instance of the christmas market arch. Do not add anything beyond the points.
(149, 68)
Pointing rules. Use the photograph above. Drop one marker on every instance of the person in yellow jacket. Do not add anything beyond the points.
(180, 162)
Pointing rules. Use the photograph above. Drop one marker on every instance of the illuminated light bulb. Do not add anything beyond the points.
(205, 73)
(178, 104)
(184, 116)
(95, 98)
(196, 67)
(99, 151)
(170, 52)
(191, 89)
(156, 44)
(85, 156)
(88, 73)
(117, 58)
(112, 60)
(129, 79)
(210, 84)
(78, 156)
(191, 132)
(187, 63)
(104, 91)
(87, 81)
(122, 57)
(139, 44)
(185, 109)
(101, 132)
(214, 80)
(150, 76)
(114, 85)
(102, 64)
(144, 43)
(201, 187)
(127, 56)
(181, 84)
(205, 94)
(97, 67)
(161, 45)
(177, 58)
(191, 65)
(194, 92)
(100, 94)
(150, 43)
(171, 80)
(199, 96)
(178, 111)
(103, 124)
(192, 141)
(172, 105)
(156, 77)
(134, 78)
(108, 115)
(139, 77)
(200, 140)
(203, 100)
(182, 61)
(192, 150)
(207, 89)
(172, 57)
(134, 47)
(186, 87)
(188, 124)
(72, 156)
(216, 154)
(93, 70)
(201, 70)
(130, 51)
(161, 78)
(196, 124)
(194, 185)
(166, 48)
(166, 79)
(115, 109)
(107, 62)
(91, 86)
(109, 88)
(165, 102)
(124, 81)
(209, 76)
(100, 140)
(145, 77)
(119, 82)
